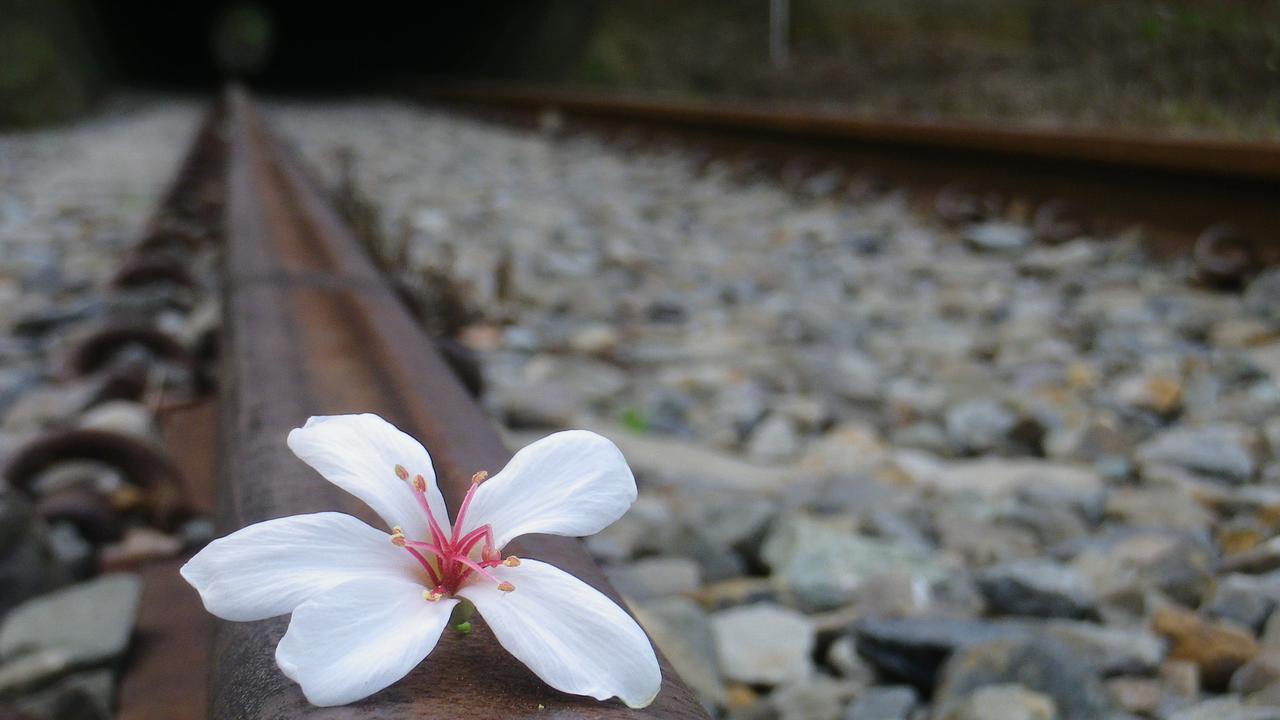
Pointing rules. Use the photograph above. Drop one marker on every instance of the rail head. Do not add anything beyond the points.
(311, 329)
(1255, 160)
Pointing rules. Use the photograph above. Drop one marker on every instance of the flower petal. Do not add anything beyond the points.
(568, 633)
(572, 483)
(359, 637)
(359, 453)
(271, 567)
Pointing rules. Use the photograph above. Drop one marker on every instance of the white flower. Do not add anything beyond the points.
(368, 606)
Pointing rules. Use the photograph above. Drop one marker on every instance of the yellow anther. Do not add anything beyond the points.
(431, 595)
(419, 483)
(505, 586)
(479, 477)
(401, 472)
(397, 536)
(511, 561)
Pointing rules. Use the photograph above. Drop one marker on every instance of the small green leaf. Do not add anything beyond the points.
(633, 419)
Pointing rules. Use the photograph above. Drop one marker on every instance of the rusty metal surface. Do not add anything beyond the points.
(189, 433)
(167, 673)
(1174, 187)
(311, 328)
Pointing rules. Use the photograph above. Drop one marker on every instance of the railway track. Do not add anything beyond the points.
(1215, 200)
(311, 327)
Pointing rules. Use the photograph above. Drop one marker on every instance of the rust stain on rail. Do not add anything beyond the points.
(1173, 187)
(311, 329)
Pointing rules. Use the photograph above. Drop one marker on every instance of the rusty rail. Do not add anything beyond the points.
(311, 328)
(1174, 187)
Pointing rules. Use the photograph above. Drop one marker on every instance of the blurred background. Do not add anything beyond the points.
(1185, 67)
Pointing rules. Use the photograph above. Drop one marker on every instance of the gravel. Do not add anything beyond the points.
(74, 200)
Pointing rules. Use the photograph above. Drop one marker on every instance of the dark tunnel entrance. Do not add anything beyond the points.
(319, 47)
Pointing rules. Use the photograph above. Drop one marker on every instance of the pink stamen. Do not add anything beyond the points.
(462, 510)
(431, 572)
(477, 567)
(429, 547)
(468, 541)
(437, 534)
(447, 558)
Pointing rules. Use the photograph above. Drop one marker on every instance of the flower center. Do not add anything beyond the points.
(447, 558)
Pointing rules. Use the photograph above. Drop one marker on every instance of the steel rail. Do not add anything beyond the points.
(311, 328)
(1175, 187)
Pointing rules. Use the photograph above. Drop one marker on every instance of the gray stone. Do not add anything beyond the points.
(1039, 664)
(547, 404)
(68, 548)
(644, 528)
(87, 695)
(1266, 360)
(913, 649)
(1226, 708)
(1257, 674)
(846, 450)
(964, 530)
(1139, 695)
(31, 670)
(1156, 392)
(15, 519)
(1125, 562)
(656, 577)
(1165, 506)
(196, 533)
(683, 632)
(998, 236)
(764, 644)
(1263, 558)
(1262, 296)
(667, 460)
(1245, 599)
(738, 522)
(73, 474)
(894, 702)
(924, 436)
(1007, 702)
(594, 339)
(737, 409)
(25, 568)
(1071, 257)
(91, 621)
(992, 478)
(896, 528)
(715, 560)
(1111, 650)
(826, 567)
(120, 416)
(1220, 451)
(1038, 588)
(774, 440)
(819, 698)
(850, 375)
(842, 657)
(1051, 522)
(979, 425)
(50, 404)
(901, 594)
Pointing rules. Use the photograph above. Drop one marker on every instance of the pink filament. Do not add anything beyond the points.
(447, 558)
